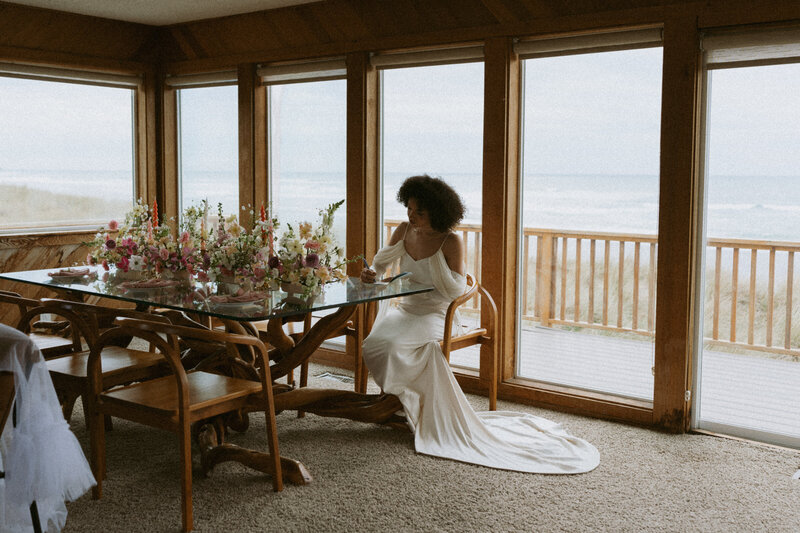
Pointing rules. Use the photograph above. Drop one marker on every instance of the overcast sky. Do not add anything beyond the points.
(586, 115)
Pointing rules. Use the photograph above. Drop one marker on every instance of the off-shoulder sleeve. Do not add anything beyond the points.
(449, 283)
(387, 255)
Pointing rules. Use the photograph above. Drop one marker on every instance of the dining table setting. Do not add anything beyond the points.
(217, 275)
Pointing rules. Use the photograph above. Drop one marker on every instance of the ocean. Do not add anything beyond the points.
(746, 207)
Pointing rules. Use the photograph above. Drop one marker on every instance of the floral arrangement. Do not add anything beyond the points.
(142, 244)
(310, 257)
(168, 254)
(239, 256)
(127, 250)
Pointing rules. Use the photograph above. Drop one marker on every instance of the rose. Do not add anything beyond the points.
(113, 225)
(312, 260)
(274, 263)
(111, 244)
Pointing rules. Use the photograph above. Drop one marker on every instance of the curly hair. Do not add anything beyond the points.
(442, 203)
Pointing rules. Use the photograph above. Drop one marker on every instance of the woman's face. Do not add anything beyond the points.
(418, 217)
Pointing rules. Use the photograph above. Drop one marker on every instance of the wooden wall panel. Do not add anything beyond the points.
(40, 251)
(46, 36)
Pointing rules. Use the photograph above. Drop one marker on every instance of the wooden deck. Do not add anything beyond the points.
(758, 393)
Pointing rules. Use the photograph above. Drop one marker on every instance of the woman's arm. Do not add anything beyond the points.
(367, 274)
(453, 251)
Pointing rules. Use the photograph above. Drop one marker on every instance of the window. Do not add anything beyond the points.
(307, 140)
(590, 183)
(748, 365)
(66, 148)
(432, 123)
(209, 147)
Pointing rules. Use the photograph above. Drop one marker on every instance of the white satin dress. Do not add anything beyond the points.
(403, 355)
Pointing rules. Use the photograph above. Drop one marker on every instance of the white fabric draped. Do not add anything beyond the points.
(402, 352)
(42, 459)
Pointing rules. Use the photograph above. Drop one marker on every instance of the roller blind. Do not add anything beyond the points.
(751, 48)
(329, 69)
(595, 42)
(419, 58)
(71, 76)
(205, 79)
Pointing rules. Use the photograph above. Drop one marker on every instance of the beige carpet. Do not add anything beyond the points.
(368, 478)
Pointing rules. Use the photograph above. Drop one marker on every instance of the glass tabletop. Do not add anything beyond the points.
(204, 298)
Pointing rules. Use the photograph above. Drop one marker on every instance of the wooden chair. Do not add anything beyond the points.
(122, 365)
(464, 338)
(481, 336)
(52, 338)
(177, 401)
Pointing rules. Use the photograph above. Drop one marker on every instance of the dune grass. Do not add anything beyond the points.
(28, 207)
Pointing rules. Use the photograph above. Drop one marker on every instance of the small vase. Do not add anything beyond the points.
(290, 287)
(178, 275)
(130, 275)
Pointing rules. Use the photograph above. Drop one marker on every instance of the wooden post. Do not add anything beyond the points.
(501, 136)
(363, 183)
(252, 140)
(677, 222)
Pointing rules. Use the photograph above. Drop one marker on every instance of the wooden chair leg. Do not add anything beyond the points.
(303, 383)
(272, 441)
(97, 440)
(186, 478)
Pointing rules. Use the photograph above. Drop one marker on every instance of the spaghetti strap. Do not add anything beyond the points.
(444, 241)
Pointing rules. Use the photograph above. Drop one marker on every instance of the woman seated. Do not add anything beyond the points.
(402, 351)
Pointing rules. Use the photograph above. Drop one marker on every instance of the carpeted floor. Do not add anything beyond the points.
(368, 478)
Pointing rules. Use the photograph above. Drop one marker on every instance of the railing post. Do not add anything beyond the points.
(546, 278)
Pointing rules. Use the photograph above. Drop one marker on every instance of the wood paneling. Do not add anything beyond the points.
(49, 250)
(45, 36)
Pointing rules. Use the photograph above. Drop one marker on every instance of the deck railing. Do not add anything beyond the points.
(608, 281)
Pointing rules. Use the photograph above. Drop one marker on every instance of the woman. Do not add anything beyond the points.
(402, 351)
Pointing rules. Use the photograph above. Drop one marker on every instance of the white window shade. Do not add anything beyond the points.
(205, 79)
(330, 69)
(595, 42)
(70, 76)
(752, 48)
(420, 58)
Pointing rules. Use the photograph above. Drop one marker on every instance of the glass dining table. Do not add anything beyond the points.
(269, 311)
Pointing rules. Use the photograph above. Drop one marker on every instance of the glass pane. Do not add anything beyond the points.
(308, 151)
(750, 362)
(66, 153)
(433, 124)
(590, 220)
(209, 147)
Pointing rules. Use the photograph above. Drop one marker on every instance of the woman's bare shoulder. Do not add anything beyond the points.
(453, 251)
(398, 233)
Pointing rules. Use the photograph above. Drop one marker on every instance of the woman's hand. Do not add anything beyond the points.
(368, 275)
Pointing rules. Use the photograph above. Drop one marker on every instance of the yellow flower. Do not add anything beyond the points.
(323, 274)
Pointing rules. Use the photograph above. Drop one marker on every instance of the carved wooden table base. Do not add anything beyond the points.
(285, 356)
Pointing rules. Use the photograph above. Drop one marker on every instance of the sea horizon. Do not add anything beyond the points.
(584, 202)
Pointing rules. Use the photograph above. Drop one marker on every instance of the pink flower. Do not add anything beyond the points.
(123, 264)
(163, 253)
(105, 264)
(312, 260)
(185, 237)
(312, 245)
(113, 225)
(259, 273)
